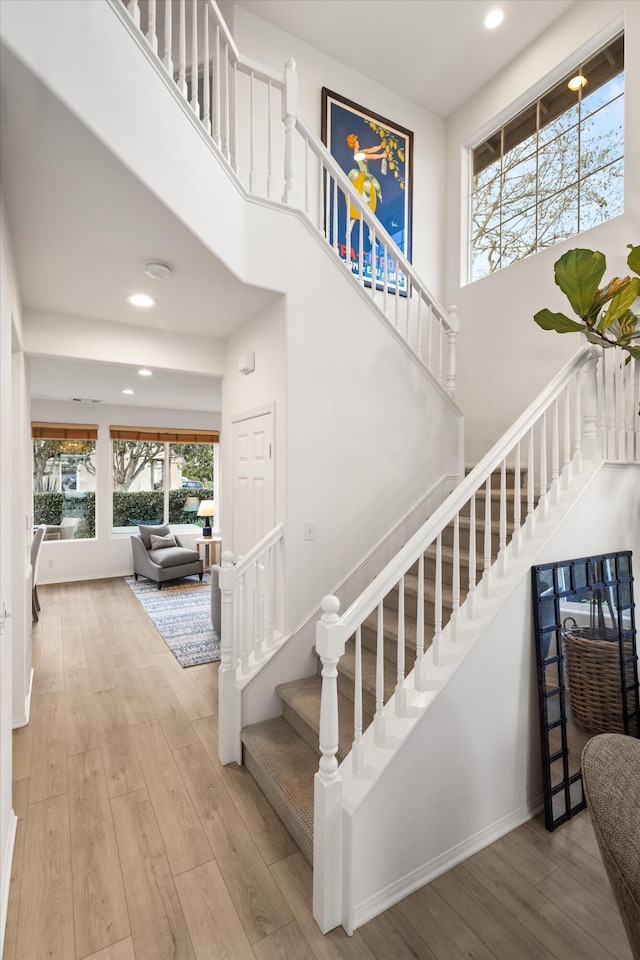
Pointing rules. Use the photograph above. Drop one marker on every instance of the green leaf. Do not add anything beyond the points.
(621, 303)
(594, 338)
(557, 321)
(633, 259)
(634, 351)
(578, 274)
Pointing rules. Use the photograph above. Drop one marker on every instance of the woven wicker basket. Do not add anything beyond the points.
(592, 668)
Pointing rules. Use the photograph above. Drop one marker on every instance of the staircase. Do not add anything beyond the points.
(283, 754)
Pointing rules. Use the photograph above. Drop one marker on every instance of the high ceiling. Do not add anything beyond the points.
(433, 52)
(82, 225)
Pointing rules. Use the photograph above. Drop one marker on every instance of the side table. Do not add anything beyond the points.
(211, 550)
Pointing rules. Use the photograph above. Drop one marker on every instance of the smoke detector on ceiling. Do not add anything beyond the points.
(156, 269)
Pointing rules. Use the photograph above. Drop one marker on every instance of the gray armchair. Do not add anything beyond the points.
(162, 563)
(611, 776)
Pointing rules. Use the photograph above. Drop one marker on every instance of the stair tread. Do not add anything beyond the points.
(347, 667)
(390, 626)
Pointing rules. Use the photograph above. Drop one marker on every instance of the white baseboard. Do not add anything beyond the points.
(5, 880)
(23, 720)
(404, 886)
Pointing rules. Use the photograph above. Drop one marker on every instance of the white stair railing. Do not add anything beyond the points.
(581, 397)
(251, 115)
(250, 628)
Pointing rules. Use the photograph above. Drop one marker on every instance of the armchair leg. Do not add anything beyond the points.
(159, 585)
(201, 576)
(136, 576)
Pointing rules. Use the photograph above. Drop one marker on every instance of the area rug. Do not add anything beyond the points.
(181, 612)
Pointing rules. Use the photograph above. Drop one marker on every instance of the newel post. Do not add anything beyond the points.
(289, 117)
(327, 794)
(229, 698)
(452, 336)
(590, 447)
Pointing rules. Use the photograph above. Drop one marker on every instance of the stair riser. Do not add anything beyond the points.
(464, 538)
(297, 831)
(411, 604)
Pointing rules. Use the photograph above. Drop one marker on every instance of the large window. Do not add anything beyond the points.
(160, 476)
(553, 170)
(64, 479)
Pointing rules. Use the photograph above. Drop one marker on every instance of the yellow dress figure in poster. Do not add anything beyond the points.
(365, 183)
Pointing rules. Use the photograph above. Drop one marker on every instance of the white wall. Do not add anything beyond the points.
(22, 535)
(109, 555)
(12, 558)
(471, 770)
(261, 41)
(504, 358)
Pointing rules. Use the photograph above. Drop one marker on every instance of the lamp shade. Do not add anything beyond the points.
(207, 508)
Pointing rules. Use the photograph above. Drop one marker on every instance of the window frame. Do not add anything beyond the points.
(611, 40)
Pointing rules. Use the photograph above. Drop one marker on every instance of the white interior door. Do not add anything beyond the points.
(252, 505)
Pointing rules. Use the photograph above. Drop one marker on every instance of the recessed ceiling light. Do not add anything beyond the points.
(494, 18)
(141, 300)
(145, 373)
(157, 269)
(576, 83)
(128, 391)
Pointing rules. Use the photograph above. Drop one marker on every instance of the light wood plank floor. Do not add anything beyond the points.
(134, 843)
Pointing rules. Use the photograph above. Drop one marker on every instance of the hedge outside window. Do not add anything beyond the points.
(64, 479)
(554, 170)
(160, 476)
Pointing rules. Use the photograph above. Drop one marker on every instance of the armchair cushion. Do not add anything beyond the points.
(158, 530)
(157, 543)
(173, 556)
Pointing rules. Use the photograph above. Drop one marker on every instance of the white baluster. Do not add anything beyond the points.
(271, 596)
(455, 580)
(385, 278)
(252, 144)
(635, 408)
(372, 235)
(152, 37)
(452, 336)
(590, 445)
(631, 413)
(421, 665)
(327, 834)
(361, 250)
(622, 426)
(419, 324)
(601, 384)
(216, 89)
(166, 58)
(379, 731)
(440, 350)
(429, 336)
(306, 178)
(486, 577)
(566, 443)
(289, 117)
(471, 596)
(531, 498)
(206, 92)
(543, 466)
(401, 684)
(270, 147)
(258, 610)
(335, 218)
(182, 50)
(517, 504)
(555, 454)
(229, 704)
(396, 301)
(243, 609)
(437, 632)
(134, 11)
(226, 147)
(502, 541)
(357, 749)
(195, 106)
(578, 425)
(234, 114)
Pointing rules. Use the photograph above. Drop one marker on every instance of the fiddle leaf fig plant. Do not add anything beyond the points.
(606, 315)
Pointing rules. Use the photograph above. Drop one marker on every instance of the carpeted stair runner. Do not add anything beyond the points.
(283, 754)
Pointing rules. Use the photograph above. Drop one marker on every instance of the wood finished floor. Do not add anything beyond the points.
(133, 843)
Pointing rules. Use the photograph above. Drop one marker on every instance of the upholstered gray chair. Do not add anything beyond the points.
(611, 777)
(163, 561)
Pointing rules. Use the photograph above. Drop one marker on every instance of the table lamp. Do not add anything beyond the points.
(207, 509)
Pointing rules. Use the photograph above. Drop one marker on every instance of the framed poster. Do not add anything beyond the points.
(377, 156)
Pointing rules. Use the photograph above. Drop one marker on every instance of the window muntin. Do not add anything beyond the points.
(555, 169)
(64, 480)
